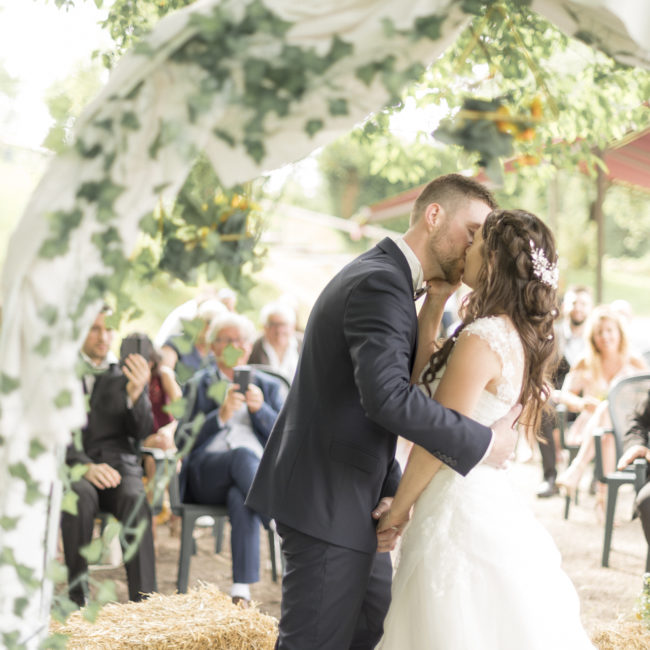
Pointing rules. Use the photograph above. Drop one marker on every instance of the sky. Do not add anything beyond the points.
(40, 44)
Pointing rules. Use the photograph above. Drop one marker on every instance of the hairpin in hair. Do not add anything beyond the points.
(546, 272)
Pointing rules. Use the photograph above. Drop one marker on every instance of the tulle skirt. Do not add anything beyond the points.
(477, 571)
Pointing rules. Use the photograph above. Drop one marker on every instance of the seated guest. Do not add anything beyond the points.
(571, 343)
(222, 462)
(279, 346)
(163, 390)
(177, 351)
(585, 389)
(119, 416)
(636, 445)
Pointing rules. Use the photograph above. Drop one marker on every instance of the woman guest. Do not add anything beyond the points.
(607, 359)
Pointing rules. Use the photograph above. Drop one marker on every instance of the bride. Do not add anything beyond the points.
(475, 569)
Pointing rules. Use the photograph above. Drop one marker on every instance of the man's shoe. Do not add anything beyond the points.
(242, 602)
(547, 489)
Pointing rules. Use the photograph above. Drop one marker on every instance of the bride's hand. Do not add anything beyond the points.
(440, 290)
(389, 527)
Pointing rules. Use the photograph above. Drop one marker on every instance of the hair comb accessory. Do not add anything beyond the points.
(546, 272)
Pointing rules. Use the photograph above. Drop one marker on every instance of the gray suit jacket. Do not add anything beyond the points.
(331, 454)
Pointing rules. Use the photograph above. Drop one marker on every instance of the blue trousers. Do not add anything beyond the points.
(224, 478)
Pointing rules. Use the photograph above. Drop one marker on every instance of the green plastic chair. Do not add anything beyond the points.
(625, 398)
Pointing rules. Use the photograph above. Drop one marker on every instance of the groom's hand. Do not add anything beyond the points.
(504, 438)
(388, 530)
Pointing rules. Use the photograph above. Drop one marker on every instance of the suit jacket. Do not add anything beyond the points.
(200, 401)
(113, 430)
(331, 454)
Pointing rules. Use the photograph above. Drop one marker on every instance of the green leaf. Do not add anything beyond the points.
(176, 408)
(58, 641)
(231, 355)
(130, 121)
(69, 502)
(42, 348)
(429, 26)
(218, 390)
(33, 493)
(57, 572)
(27, 576)
(225, 136)
(19, 470)
(63, 399)
(20, 605)
(183, 372)
(338, 106)
(255, 148)
(8, 523)
(93, 551)
(107, 592)
(112, 529)
(339, 49)
(91, 611)
(8, 384)
(36, 448)
(313, 126)
(49, 314)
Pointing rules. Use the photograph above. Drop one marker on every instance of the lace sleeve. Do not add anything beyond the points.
(499, 333)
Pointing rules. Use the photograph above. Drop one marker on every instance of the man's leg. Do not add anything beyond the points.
(225, 478)
(244, 539)
(125, 500)
(547, 449)
(643, 508)
(370, 624)
(328, 596)
(77, 532)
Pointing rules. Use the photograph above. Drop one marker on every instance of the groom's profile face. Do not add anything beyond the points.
(454, 234)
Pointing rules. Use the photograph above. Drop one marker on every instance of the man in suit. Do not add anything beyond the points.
(222, 462)
(329, 469)
(119, 416)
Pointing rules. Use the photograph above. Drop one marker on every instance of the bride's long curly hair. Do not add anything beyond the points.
(509, 283)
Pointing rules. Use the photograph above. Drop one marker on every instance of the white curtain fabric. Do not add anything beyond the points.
(43, 328)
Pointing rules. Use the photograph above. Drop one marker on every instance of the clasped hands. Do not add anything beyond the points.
(390, 525)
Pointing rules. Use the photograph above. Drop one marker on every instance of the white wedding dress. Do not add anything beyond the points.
(476, 570)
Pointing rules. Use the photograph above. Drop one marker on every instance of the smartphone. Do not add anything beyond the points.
(133, 344)
(242, 376)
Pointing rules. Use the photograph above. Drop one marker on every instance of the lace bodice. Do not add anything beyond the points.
(502, 337)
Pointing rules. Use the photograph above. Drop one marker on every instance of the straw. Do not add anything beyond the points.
(202, 618)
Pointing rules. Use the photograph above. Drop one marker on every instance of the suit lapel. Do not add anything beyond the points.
(388, 246)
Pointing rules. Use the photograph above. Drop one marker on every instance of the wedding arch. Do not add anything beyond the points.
(252, 85)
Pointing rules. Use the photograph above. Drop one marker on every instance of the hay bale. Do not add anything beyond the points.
(202, 618)
(627, 635)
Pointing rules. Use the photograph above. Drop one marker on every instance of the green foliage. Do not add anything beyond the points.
(208, 230)
(66, 99)
(218, 390)
(8, 384)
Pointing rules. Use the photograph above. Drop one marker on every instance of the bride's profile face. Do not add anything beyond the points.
(474, 260)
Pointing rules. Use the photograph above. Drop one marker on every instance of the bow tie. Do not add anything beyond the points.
(418, 293)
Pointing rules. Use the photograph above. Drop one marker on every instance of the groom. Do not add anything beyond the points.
(329, 468)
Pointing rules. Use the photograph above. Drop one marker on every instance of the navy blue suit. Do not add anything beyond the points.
(211, 475)
(331, 455)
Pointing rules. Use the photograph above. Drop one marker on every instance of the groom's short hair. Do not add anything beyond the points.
(448, 191)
